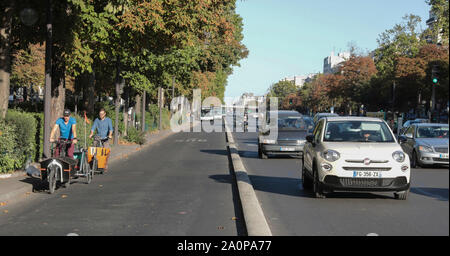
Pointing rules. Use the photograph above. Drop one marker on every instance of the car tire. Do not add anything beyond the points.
(401, 195)
(415, 162)
(317, 188)
(307, 183)
(261, 154)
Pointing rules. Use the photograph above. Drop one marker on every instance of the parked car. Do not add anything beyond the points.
(292, 131)
(354, 154)
(408, 123)
(318, 116)
(426, 144)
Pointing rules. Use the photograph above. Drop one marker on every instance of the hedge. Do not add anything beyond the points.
(8, 139)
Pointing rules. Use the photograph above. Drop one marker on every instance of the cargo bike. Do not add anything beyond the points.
(61, 169)
(98, 155)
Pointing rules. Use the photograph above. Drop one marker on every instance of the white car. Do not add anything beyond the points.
(354, 154)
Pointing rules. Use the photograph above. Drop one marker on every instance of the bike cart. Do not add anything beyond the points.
(60, 170)
(98, 155)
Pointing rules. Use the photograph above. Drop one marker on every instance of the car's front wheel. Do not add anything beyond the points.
(261, 153)
(307, 183)
(401, 195)
(317, 188)
(415, 162)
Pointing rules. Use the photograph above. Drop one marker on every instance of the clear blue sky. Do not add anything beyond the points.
(292, 37)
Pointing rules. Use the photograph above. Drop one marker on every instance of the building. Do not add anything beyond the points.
(331, 63)
(431, 23)
(299, 81)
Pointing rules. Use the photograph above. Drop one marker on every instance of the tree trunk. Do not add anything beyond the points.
(143, 113)
(117, 104)
(58, 89)
(125, 115)
(48, 81)
(138, 104)
(5, 59)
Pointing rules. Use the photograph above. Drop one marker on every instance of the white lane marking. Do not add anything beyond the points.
(72, 234)
(372, 234)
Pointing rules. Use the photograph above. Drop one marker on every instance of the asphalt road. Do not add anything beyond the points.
(290, 210)
(178, 186)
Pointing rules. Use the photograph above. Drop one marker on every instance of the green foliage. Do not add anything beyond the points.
(136, 136)
(25, 130)
(8, 142)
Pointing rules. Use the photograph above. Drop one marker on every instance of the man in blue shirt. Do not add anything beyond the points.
(68, 131)
(104, 127)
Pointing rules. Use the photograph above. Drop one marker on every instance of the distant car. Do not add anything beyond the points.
(292, 131)
(354, 154)
(408, 123)
(426, 144)
(318, 116)
(206, 115)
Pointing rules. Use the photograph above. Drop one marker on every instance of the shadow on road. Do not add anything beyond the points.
(38, 185)
(222, 152)
(440, 194)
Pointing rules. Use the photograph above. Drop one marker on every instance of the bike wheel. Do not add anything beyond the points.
(87, 171)
(94, 165)
(51, 180)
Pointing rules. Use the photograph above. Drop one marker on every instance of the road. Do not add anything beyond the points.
(290, 210)
(180, 186)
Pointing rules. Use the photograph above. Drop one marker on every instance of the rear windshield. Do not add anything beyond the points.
(292, 123)
(358, 131)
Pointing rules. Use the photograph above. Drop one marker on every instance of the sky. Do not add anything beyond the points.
(292, 37)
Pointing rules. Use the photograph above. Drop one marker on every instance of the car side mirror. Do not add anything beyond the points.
(402, 139)
(310, 138)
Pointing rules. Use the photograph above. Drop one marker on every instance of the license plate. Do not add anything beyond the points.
(366, 174)
(286, 149)
(443, 155)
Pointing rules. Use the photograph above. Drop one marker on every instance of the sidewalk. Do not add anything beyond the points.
(19, 184)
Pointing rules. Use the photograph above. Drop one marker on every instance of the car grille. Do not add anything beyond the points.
(444, 160)
(378, 169)
(365, 182)
(441, 150)
(287, 143)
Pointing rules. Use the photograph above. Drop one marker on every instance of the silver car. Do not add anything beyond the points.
(426, 144)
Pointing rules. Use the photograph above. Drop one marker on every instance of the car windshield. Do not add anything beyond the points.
(295, 122)
(432, 132)
(358, 131)
(206, 112)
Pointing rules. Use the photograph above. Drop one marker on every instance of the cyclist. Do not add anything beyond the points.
(104, 128)
(68, 131)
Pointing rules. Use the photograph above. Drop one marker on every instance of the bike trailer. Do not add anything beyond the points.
(66, 167)
(101, 154)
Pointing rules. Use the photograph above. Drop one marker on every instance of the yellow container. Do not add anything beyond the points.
(101, 154)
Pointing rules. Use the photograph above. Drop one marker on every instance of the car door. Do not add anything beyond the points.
(309, 149)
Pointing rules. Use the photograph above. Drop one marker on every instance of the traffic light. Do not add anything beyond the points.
(290, 101)
(435, 74)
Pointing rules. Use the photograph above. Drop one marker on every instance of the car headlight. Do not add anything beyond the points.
(267, 141)
(425, 149)
(330, 155)
(398, 156)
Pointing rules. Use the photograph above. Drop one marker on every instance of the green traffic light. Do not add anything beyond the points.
(435, 80)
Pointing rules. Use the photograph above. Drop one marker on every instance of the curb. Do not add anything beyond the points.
(255, 221)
